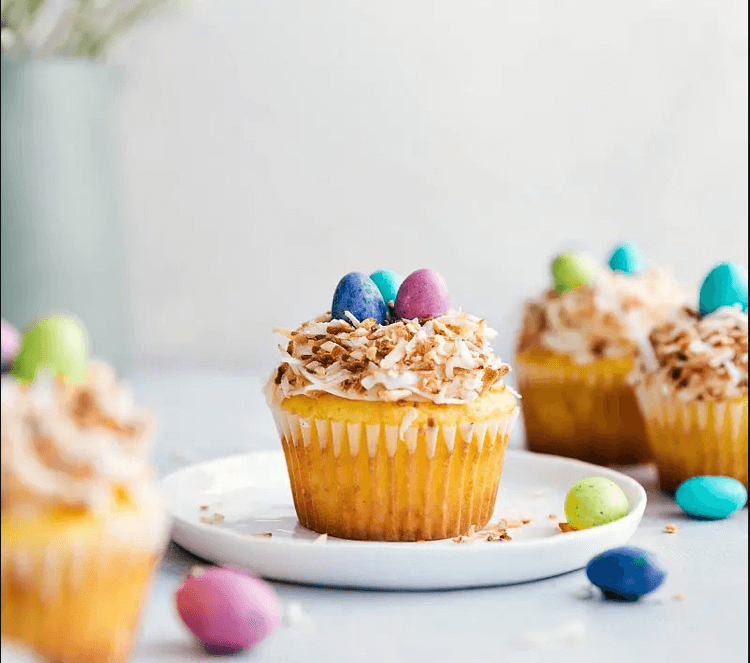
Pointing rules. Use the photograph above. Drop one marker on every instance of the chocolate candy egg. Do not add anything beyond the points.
(388, 283)
(423, 294)
(571, 271)
(10, 342)
(725, 285)
(358, 294)
(711, 498)
(625, 574)
(58, 344)
(627, 258)
(595, 501)
(227, 610)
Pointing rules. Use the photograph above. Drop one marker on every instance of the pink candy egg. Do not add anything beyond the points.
(227, 610)
(423, 294)
(10, 342)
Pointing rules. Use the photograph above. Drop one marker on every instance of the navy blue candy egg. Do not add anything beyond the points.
(627, 259)
(359, 295)
(625, 574)
(725, 285)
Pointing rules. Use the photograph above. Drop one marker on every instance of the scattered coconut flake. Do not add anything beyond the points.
(443, 360)
(699, 358)
(213, 519)
(602, 320)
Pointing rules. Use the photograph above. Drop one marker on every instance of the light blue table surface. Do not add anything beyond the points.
(699, 614)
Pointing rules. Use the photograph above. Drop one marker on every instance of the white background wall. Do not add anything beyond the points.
(272, 146)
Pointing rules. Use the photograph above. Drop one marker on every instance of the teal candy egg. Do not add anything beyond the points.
(58, 344)
(725, 285)
(388, 283)
(628, 259)
(571, 271)
(711, 498)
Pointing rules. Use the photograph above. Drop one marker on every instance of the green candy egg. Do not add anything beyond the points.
(571, 271)
(58, 344)
(595, 501)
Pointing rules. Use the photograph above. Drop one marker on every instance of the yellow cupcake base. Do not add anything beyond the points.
(588, 412)
(390, 472)
(73, 584)
(695, 438)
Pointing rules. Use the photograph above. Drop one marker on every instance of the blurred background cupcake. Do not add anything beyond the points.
(691, 383)
(575, 349)
(394, 419)
(82, 524)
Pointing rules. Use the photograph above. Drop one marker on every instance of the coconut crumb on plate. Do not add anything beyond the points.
(212, 520)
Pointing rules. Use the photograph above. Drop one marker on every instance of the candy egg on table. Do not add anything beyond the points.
(10, 343)
(388, 283)
(423, 294)
(711, 498)
(595, 501)
(59, 344)
(227, 610)
(571, 271)
(625, 574)
(358, 294)
(725, 285)
(627, 258)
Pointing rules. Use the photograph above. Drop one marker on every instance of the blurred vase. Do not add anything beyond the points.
(62, 246)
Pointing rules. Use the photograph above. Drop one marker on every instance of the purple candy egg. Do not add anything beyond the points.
(10, 342)
(423, 294)
(227, 610)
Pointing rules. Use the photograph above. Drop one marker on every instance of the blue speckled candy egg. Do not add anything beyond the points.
(423, 294)
(628, 259)
(357, 294)
(725, 285)
(625, 574)
(712, 498)
(388, 283)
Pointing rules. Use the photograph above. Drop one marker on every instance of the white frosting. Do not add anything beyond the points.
(54, 451)
(607, 319)
(444, 360)
(698, 358)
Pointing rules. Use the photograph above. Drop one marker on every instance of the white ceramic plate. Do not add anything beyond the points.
(252, 492)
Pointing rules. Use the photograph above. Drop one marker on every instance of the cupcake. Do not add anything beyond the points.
(691, 384)
(83, 527)
(392, 413)
(576, 347)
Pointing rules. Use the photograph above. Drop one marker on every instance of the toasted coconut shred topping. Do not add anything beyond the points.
(71, 444)
(609, 318)
(443, 360)
(696, 358)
